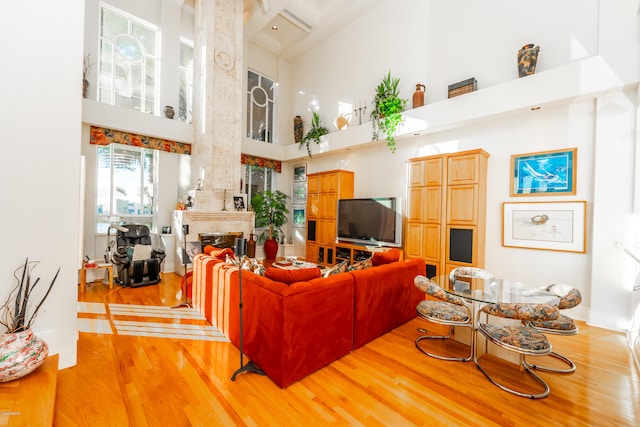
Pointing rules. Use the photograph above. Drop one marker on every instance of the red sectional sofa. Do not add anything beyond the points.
(291, 331)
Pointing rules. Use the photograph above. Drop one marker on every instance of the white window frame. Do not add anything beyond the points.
(103, 220)
(107, 92)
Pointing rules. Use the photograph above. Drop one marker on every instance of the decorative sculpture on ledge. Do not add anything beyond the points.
(225, 195)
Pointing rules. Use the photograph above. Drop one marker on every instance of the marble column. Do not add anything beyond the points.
(217, 109)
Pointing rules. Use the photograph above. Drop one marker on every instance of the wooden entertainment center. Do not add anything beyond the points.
(444, 220)
(446, 210)
(323, 191)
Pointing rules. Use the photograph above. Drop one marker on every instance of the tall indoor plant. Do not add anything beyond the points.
(315, 132)
(388, 106)
(21, 352)
(271, 211)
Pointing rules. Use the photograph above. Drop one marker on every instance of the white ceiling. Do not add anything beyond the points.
(301, 24)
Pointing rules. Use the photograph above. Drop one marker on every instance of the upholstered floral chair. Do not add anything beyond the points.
(563, 325)
(446, 309)
(522, 339)
(472, 272)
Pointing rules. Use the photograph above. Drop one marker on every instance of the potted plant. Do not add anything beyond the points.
(388, 106)
(315, 132)
(21, 352)
(271, 211)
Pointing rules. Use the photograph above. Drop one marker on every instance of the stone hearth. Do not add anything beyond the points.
(208, 222)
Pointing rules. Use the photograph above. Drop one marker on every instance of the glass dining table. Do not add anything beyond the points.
(494, 290)
(477, 292)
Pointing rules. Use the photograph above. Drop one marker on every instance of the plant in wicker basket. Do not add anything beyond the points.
(388, 106)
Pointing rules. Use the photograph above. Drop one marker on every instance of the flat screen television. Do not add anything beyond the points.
(370, 222)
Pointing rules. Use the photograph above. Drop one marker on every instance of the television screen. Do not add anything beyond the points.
(372, 221)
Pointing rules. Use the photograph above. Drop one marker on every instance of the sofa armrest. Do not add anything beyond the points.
(292, 331)
(385, 298)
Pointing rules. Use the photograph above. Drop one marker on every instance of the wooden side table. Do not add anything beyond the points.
(83, 275)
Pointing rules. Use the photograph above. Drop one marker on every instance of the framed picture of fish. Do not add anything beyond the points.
(545, 173)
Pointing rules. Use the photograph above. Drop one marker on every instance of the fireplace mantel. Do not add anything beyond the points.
(208, 222)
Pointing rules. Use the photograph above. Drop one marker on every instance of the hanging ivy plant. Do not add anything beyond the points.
(388, 106)
(314, 134)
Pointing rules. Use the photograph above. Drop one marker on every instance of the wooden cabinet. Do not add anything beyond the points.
(353, 253)
(446, 204)
(324, 190)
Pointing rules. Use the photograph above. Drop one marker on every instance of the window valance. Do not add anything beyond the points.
(246, 159)
(103, 136)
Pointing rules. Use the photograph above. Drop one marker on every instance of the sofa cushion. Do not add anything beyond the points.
(361, 265)
(341, 267)
(386, 257)
(291, 276)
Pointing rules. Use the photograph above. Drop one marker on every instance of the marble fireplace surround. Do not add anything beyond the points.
(208, 222)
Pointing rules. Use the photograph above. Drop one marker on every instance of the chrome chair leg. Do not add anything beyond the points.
(523, 363)
(443, 337)
(570, 370)
(544, 394)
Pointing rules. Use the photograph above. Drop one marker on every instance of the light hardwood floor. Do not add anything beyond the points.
(125, 380)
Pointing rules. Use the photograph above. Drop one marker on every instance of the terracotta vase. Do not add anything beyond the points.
(270, 249)
(418, 95)
(527, 59)
(20, 354)
(251, 246)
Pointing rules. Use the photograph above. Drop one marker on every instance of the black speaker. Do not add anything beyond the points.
(185, 229)
(240, 247)
(311, 230)
(461, 245)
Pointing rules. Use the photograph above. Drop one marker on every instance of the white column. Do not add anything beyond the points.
(217, 109)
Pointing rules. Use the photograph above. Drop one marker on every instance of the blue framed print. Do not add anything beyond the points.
(545, 173)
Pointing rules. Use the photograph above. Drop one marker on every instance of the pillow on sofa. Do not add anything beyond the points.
(220, 253)
(341, 267)
(361, 265)
(291, 276)
(386, 257)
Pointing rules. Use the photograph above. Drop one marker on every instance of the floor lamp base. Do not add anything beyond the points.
(249, 367)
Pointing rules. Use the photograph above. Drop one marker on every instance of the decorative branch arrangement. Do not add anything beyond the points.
(15, 317)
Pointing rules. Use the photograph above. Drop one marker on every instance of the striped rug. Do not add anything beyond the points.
(108, 319)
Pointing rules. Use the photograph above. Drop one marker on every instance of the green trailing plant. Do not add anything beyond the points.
(16, 317)
(388, 106)
(314, 134)
(271, 211)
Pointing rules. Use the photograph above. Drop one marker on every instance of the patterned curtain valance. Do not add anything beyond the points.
(102, 136)
(276, 165)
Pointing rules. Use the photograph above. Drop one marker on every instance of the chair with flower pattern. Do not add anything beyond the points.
(444, 309)
(563, 325)
(522, 339)
(473, 272)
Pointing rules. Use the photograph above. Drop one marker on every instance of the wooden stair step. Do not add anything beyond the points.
(30, 400)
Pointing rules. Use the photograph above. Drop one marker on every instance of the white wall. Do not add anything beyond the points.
(438, 43)
(40, 163)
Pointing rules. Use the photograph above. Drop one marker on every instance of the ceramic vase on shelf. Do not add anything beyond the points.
(418, 95)
(527, 59)
(20, 354)
(85, 88)
(297, 129)
(169, 112)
